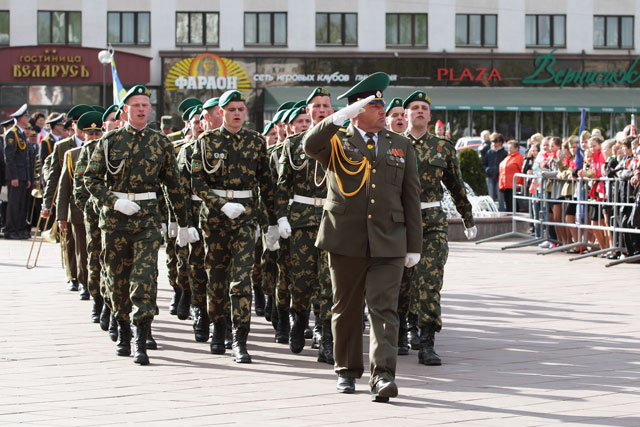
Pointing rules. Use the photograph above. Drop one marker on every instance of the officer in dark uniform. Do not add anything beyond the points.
(3, 205)
(370, 227)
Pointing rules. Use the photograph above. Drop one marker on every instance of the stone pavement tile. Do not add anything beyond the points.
(27, 417)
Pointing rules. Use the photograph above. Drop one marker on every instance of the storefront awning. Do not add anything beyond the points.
(608, 100)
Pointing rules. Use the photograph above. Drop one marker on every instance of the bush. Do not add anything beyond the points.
(472, 173)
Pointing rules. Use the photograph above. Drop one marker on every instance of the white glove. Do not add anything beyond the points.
(272, 238)
(172, 232)
(232, 210)
(163, 230)
(183, 236)
(284, 228)
(350, 111)
(411, 259)
(471, 233)
(193, 235)
(127, 207)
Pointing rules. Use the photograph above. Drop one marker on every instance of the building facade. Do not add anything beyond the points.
(515, 66)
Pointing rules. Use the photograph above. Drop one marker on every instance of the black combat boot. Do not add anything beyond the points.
(259, 300)
(317, 334)
(267, 308)
(239, 351)
(217, 336)
(184, 305)
(228, 337)
(84, 294)
(140, 344)
(283, 327)
(200, 324)
(105, 316)
(403, 342)
(113, 328)
(74, 285)
(427, 354)
(308, 332)
(123, 346)
(296, 334)
(414, 336)
(151, 343)
(173, 307)
(96, 310)
(274, 315)
(325, 352)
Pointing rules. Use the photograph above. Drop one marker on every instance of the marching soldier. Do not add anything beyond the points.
(437, 162)
(370, 227)
(211, 118)
(124, 174)
(395, 116)
(182, 108)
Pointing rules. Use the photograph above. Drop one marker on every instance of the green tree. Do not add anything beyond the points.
(472, 173)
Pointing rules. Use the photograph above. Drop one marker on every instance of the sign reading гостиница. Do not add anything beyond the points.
(544, 64)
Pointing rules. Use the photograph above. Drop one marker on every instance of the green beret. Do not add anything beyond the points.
(285, 116)
(416, 96)
(373, 84)
(278, 116)
(230, 96)
(77, 110)
(91, 121)
(268, 127)
(287, 105)
(112, 109)
(395, 102)
(211, 103)
(186, 116)
(136, 90)
(188, 103)
(319, 91)
(99, 108)
(165, 122)
(295, 112)
(195, 110)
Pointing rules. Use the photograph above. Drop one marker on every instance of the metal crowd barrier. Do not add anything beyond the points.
(538, 203)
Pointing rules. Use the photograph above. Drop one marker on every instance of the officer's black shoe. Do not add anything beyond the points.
(325, 352)
(200, 324)
(283, 327)
(317, 334)
(123, 345)
(259, 300)
(403, 342)
(228, 338)
(427, 355)
(105, 316)
(173, 307)
(383, 390)
(140, 344)
(73, 285)
(184, 306)
(239, 350)
(414, 336)
(84, 294)
(151, 343)
(346, 385)
(217, 337)
(308, 332)
(267, 308)
(296, 334)
(113, 328)
(96, 310)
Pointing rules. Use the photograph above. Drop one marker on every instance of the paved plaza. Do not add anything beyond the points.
(528, 340)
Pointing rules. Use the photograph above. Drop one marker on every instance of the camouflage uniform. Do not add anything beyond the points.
(283, 259)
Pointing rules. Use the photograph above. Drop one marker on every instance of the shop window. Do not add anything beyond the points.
(339, 29)
(13, 95)
(59, 27)
(195, 28)
(132, 28)
(265, 29)
(404, 29)
(50, 95)
(545, 30)
(476, 30)
(4, 27)
(615, 32)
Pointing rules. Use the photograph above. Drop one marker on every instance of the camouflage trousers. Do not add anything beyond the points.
(283, 295)
(197, 273)
(311, 279)
(256, 273)
(176, 269)
(94, 249)
(131, 265)
(269, 268)
(425, 279)
(229, 257)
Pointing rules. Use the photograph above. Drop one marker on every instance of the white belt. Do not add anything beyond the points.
(233, 194)
(195, 198)
(427, 205)
(313, 201)
(135, 196)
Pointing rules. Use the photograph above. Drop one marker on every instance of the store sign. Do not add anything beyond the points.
(208, 72)
(546, 73)
(50, 65)
(469, 74)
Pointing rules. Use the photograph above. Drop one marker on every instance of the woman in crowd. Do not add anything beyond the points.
(596, 193)
(551, 168)
(511, 165)
(567, 192)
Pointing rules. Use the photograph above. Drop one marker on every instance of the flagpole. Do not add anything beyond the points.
(104, 56)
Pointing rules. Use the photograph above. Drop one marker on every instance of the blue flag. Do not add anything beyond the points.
(580, 154)
(118, 89)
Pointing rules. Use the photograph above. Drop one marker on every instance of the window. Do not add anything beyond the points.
(476, 30)
(128, 28)
(337, 29)
(265, 28)
(545, 30)
(4, 27)
(404, 29)
(613, 32)
(59, 27)
(197, 28)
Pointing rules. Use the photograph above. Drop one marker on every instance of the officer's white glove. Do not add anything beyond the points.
(172, 231)
(183, 236)
(163, 230)
(411, 259)
(350, 111)
(284, 228)
(232, 210)
(471, 233)
(193, 235)
(272, 238)
(127, 207)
